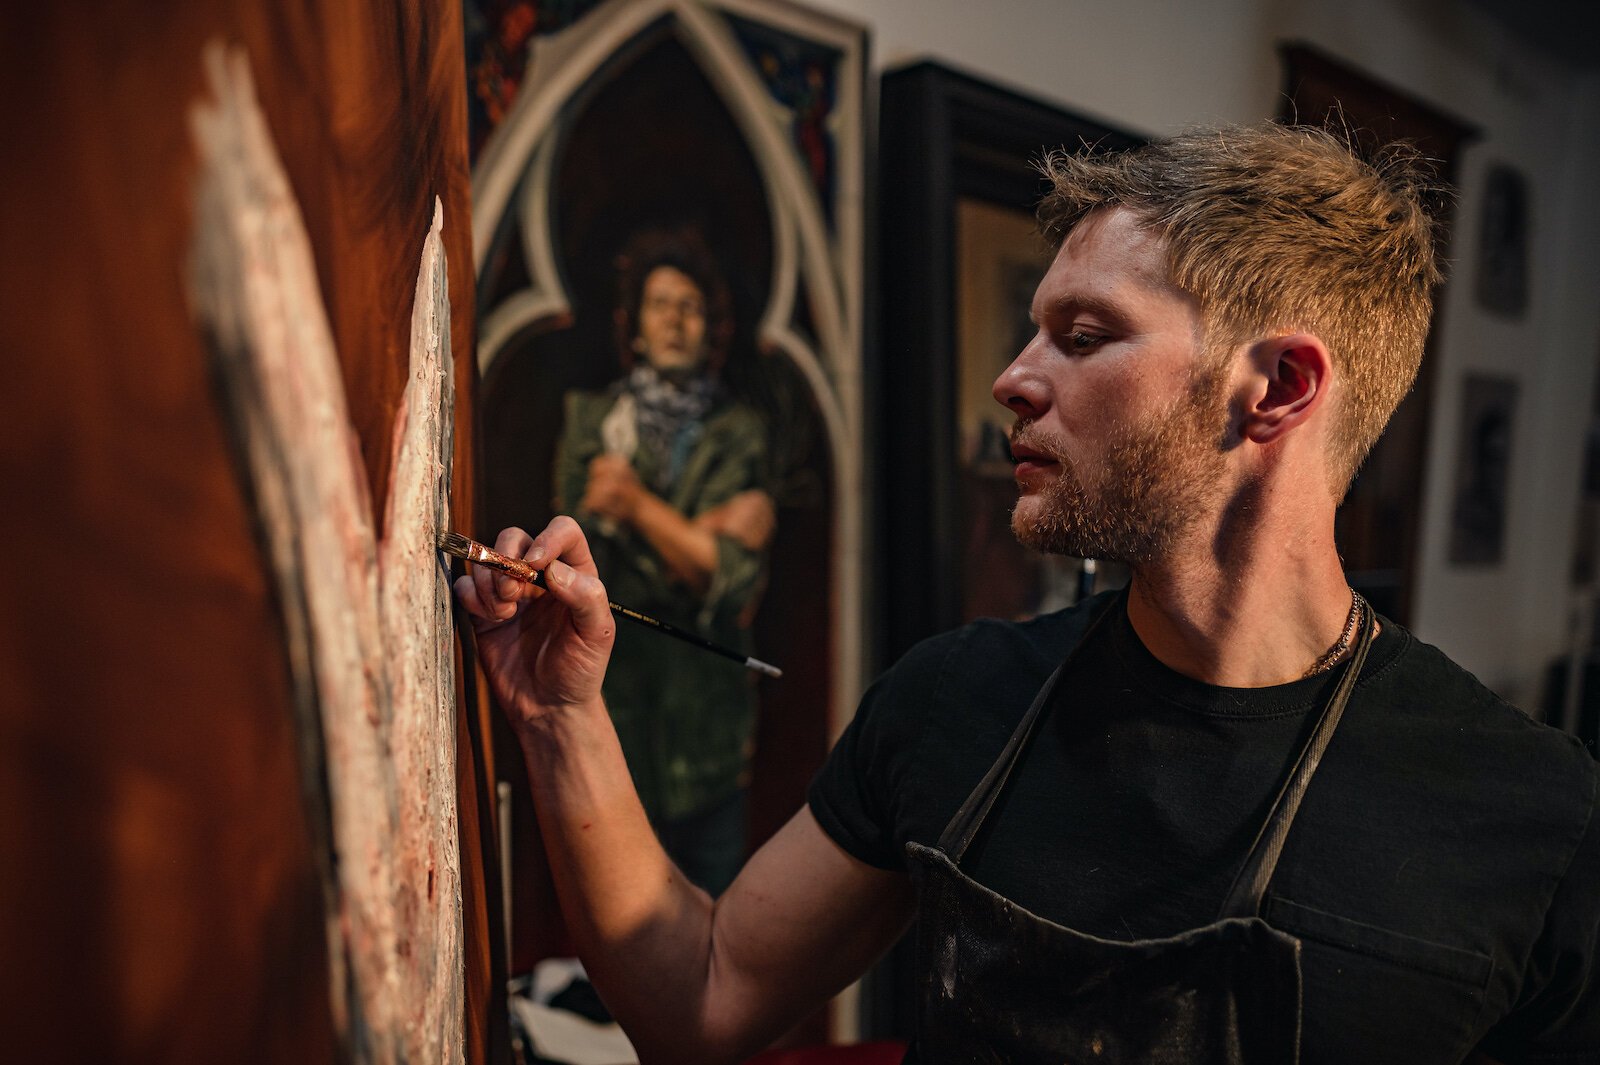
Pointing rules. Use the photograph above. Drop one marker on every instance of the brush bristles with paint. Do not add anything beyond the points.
(453, 543)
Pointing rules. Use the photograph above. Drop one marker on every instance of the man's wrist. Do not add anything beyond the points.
(557, 725)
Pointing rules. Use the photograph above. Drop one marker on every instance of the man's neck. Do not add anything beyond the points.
(1258, 615)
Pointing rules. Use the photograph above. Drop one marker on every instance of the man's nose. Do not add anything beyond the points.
(1021, 389)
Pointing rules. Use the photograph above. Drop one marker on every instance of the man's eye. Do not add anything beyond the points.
(1080, 341)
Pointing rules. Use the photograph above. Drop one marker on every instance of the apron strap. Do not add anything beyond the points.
(1250, 884)
(963, 827)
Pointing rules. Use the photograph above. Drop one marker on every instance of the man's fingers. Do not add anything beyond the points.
(512, 541)
(469, 591)
(494, 596)
(562, 539)
(585, 596)
(498, 592)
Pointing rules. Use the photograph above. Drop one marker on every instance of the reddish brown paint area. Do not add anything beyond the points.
(368, 621)
(161, 896)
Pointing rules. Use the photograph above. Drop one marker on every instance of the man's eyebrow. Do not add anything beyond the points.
(1083, 301)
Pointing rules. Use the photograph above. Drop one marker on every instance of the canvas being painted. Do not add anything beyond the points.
(368, 622)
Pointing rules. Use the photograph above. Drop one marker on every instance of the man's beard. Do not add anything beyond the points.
(1153, 484)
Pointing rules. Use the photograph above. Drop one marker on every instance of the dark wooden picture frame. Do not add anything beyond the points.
(943, 136)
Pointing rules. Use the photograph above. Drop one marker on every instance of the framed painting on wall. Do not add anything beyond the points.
(712, 147)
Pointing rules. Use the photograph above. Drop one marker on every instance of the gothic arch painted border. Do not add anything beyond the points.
(522, 151)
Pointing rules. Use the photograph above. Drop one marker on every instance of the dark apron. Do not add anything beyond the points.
(1000, 984)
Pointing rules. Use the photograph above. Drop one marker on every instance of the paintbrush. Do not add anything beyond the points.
(453, 543)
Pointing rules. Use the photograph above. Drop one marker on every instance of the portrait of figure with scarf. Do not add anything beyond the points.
(668, 473)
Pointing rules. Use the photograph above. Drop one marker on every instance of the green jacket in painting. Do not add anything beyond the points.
(685, 716)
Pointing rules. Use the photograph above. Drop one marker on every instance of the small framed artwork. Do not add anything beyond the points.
(1502, 284)
(1483, 470)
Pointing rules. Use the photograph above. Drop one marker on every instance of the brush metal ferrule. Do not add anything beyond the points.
(453, 543)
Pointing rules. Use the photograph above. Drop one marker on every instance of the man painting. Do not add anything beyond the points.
(1227, 815)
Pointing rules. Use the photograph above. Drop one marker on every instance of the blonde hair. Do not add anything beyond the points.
(1277, 229)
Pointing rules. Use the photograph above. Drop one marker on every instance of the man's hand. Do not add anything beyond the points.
(543, 651)
(614, 490)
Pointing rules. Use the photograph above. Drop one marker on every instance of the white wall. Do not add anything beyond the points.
(1156, 67)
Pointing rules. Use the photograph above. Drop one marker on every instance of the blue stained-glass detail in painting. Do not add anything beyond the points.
(803, 76)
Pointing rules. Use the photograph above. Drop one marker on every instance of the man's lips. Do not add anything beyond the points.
(1030, 461)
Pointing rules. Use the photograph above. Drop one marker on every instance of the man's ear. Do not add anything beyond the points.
(1291, 377)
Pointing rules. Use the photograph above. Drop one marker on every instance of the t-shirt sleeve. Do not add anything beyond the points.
(847, 796)
(1557, 1017)
(855, 796)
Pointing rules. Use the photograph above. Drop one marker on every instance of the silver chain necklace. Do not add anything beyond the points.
(1358, 608)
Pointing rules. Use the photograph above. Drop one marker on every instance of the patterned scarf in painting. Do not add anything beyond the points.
(670, 412)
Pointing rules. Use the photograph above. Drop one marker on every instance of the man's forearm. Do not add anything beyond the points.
(643, 931)
(690, 980)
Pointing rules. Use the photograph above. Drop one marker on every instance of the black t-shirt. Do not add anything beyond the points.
(1443, 874)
